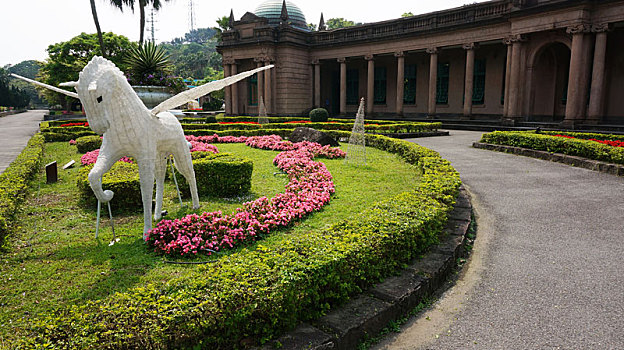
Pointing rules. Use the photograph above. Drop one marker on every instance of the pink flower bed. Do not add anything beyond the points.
(309, 189)
(197, 146)
(91, 157)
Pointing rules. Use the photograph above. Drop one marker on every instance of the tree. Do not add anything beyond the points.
(223, 24)
(66, 59)
(97, 25)
(11, 96)
(156, 5)
(335, 23)
(28, 69)
(407, 14)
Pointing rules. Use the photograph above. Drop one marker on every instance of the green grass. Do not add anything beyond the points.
(54, 261)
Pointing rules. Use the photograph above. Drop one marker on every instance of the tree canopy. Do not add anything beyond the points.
(407, 14)
(28, 69)
(335, 23)
(11, 96)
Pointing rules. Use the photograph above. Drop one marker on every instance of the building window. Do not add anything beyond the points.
(353, 86)
(252, 90)
(409, 86)
(442, 84)
(478, 87)
(380, 86)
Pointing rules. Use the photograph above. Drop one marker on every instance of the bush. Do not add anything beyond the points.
(88, 143)
(319, 115)
(574, 147)
(14, 181)
(256, 294)
(122, 179)
(211, 119)
(218, 175)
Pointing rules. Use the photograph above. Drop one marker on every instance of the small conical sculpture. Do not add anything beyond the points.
(284, 14)
(262, 115)
(231, 20)
(356, 150)
(322, 23)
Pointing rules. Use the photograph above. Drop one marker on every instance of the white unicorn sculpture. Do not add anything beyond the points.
(114, 110)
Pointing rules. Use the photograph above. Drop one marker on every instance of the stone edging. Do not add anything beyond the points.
(596, 165)
(370, 312)
(413, 135)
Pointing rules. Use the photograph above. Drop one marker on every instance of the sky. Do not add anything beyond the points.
(27, 27)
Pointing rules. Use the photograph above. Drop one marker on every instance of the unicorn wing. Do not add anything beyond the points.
(53, 88)
(202, 90)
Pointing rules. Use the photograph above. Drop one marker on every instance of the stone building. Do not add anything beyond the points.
(514, 60)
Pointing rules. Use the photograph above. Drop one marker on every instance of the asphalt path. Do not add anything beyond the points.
(15, 131)
(548, 267)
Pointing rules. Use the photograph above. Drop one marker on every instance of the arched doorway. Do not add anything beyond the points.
(549, 83)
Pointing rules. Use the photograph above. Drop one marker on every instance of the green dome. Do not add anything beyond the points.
(272, 9)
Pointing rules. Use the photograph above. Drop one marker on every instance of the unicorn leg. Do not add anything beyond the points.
(161, 169)
(102, 165)
(146, 174)
(184, 164)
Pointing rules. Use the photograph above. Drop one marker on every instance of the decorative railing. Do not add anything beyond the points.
(464, 15)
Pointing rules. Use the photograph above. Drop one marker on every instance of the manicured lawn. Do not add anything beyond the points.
(54, 261)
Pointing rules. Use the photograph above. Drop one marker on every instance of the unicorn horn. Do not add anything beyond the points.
(53, 88)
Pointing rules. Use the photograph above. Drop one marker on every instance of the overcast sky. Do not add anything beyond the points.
(27, 27)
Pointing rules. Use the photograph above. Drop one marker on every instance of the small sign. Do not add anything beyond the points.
(69, 164)
(51, 172)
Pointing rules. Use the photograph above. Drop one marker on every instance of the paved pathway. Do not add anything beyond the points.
(548, 267)
(15, 131)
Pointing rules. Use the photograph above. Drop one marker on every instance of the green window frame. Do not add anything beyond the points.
(252, 90)
(442, 83)
(478, 82)
(353, 86)
(380, 86)
(409, 84)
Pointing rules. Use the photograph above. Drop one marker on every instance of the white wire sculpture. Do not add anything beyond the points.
(356, 149)
(130, 129)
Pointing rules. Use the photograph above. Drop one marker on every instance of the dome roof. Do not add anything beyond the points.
(272, 9)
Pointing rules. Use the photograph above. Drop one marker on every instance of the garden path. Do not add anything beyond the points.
(547, 268)
(15, 131)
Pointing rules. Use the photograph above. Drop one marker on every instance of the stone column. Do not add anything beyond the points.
(234, 90)
(228, 89)
(577, 77)
(469, 82)
(317, 83)
(260, 63)
(508, 42)
(596, 96)
(433, 79)
(268, 88)
(343, 85)
(400, 83)
(513, 110)
(370, 84)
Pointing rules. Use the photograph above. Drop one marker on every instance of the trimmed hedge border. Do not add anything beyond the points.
(255, 295)
(219, 174)
(122, 179)
(549, 143)
(14, 182)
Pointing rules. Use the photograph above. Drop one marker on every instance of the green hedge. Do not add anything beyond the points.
(318, 115)
(122, 179)
(587, 135)
(256, 294)
(545, 142)
(219, 175)
(88, 143)
(14, 182)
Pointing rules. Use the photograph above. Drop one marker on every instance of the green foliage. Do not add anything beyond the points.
(548, 143)
(88, 143)
(219, 175)
(211, 119)
(256, 293)
(318, 115)
(148, 59)
(14, 182)
(28, 69)
(122, 179)
(66, 59)
(11, 96)
(335, 23)
(407, 14)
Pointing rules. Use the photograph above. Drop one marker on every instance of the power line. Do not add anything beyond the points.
(191, 16)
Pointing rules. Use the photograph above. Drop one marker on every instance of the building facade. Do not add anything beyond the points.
(517, 60)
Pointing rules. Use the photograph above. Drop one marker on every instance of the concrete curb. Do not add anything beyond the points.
(370, 312)
(596, 165)
(413, 135)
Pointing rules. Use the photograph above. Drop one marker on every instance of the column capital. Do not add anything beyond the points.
(469, 46)
(516, 38)
(600, 28)
(399, 54)
(341, 59)
(315, 61)
(369, 57)
(432, 50)
(579, 29)
(229, 60)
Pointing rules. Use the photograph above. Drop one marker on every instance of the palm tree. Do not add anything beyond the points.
(97, 26)
(156, 4)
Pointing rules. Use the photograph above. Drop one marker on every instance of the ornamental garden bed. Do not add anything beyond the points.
(62, 287)
(601, 147)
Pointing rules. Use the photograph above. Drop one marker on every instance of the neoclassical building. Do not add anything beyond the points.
(517, 60)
